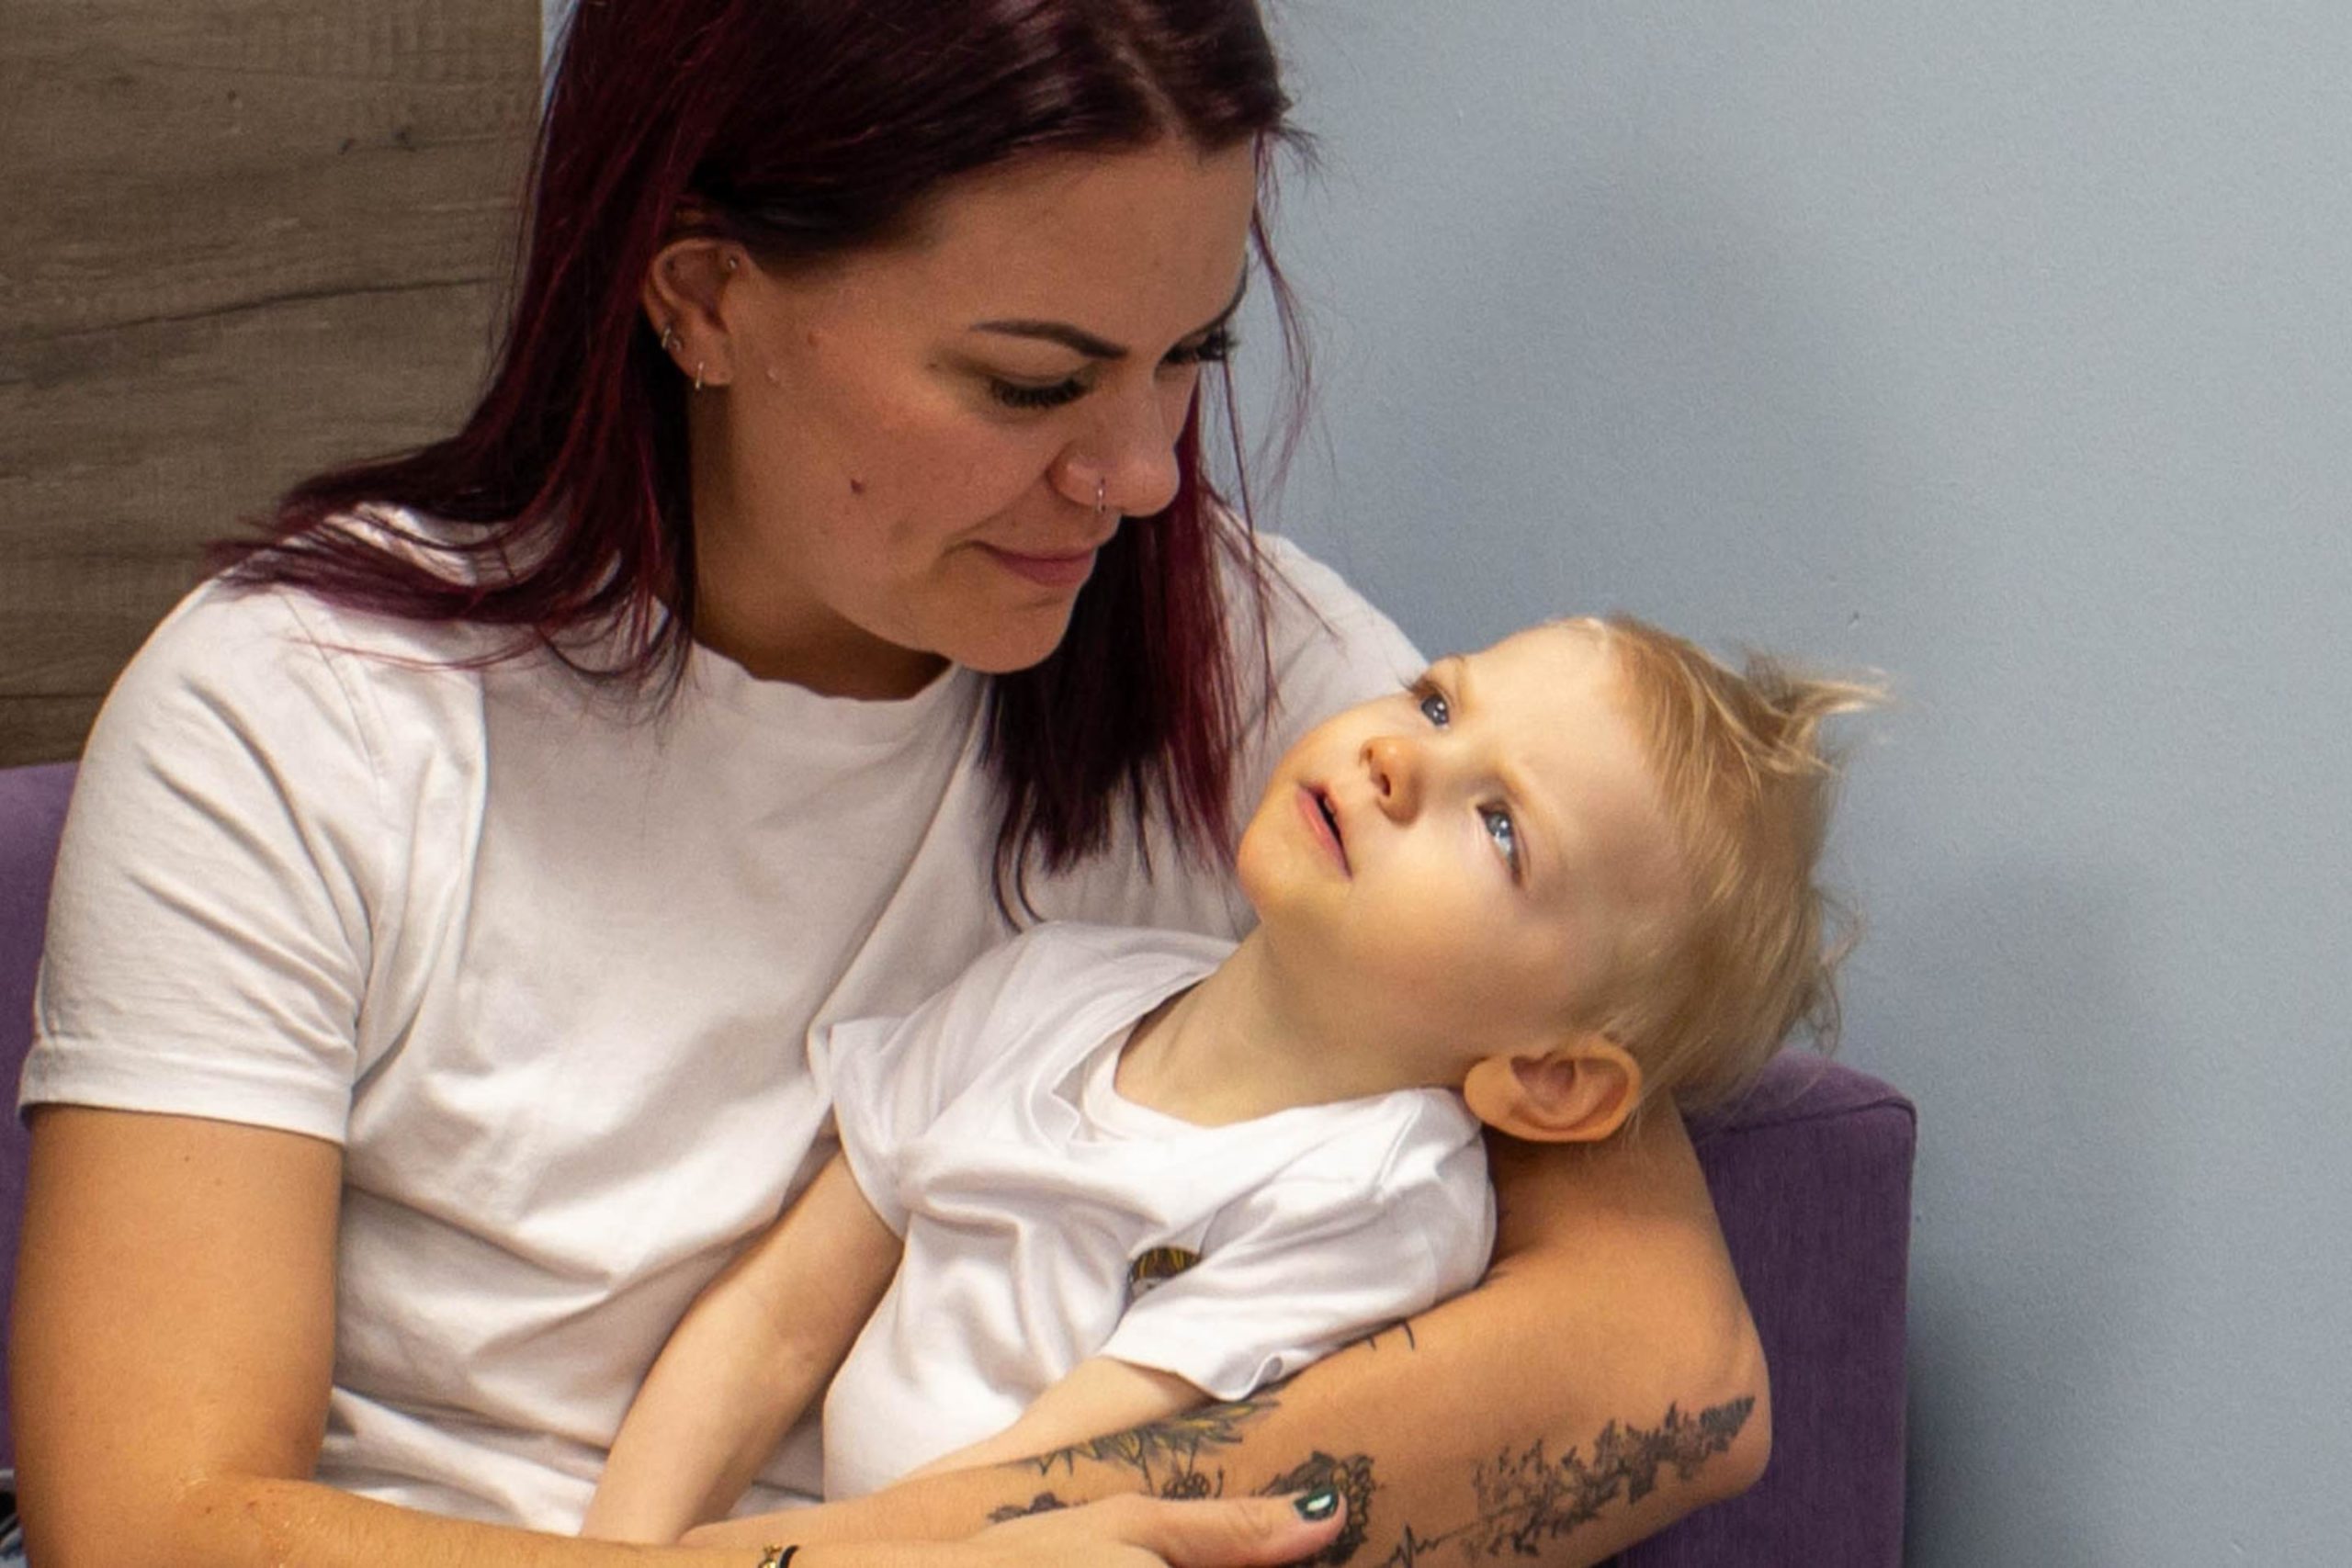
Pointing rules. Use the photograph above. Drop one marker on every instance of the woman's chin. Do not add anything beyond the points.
(1009, 649)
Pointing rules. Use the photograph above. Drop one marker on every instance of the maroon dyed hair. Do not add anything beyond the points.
(805, 129)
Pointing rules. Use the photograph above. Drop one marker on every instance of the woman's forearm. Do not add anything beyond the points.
(1604, 1382)
(233, 1522)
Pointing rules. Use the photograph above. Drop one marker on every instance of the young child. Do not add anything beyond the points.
(1108, 1175)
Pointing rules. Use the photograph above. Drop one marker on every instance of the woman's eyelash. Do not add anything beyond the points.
(1213, 349)
(1019, 395)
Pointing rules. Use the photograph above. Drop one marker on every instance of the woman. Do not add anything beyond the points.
(826, 572)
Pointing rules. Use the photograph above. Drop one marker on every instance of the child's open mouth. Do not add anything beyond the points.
(1315, 807)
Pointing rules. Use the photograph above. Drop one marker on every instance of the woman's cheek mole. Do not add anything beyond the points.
(857, 485)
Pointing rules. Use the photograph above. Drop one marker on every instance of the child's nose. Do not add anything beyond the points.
(1394, 766)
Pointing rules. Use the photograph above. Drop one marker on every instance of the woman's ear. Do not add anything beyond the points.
(1578, 1092)
(685, 298)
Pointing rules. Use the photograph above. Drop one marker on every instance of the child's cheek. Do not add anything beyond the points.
(1419, 968)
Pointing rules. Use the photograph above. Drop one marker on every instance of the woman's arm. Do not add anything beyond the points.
(761, 1341)
(172, 1342)
(1602, 1381)
(171, 1348)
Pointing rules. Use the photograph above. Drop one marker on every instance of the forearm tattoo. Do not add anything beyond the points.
(1531, 1499)
(1166, 1454)
(1525, 1501)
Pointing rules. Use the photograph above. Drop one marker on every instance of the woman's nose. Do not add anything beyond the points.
(1132, 451)
(1393, 765)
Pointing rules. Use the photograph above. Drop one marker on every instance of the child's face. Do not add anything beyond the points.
(1468, 860)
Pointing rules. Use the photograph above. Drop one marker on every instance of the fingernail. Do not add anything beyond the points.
(1318, 1504)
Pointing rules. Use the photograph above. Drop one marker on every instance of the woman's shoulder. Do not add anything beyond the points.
(1324, 646)
(279, 670)
(1316, 623)
(1301, 591)
(246, 608)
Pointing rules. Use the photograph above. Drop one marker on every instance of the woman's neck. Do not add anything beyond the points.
(813, 648)
(756, 609)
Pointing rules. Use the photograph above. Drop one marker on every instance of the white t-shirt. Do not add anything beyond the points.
(543, 964)
(1035, 1200)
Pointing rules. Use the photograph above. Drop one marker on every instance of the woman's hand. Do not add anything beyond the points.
(1145, 1532)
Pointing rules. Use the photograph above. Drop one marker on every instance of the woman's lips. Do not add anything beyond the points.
(1322, 822)
(1046, 571)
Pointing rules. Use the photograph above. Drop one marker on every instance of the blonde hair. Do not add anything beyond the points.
(1747, 782)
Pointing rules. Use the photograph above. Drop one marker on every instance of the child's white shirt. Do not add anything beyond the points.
(986, 1129)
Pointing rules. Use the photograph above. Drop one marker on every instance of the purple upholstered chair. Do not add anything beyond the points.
(32, 809)
(1811, 1174)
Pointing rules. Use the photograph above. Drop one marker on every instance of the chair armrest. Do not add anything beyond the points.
(1811, 1174)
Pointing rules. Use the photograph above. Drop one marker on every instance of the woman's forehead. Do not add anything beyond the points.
(1113, 236)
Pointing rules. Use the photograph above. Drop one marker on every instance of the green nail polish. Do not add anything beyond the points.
(1318, 1504)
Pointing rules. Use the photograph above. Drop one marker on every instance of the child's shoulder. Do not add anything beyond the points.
(1392, 1143)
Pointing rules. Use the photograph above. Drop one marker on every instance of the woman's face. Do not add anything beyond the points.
(903, 465)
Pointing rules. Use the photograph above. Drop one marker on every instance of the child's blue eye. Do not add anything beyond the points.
(1436, 709)
(1505, 834)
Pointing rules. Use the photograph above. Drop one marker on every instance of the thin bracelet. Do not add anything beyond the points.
(777, 1557)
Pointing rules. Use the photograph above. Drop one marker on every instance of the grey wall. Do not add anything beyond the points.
(2002, 346)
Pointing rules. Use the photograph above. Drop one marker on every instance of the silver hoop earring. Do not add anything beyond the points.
(697, 375)
(1101, 489)
(670, 338)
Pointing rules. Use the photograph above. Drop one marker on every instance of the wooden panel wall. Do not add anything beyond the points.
(239, 239)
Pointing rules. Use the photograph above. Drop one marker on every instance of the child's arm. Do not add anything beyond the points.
(1612, 1315)
(755, 1347)
(1100, 1395)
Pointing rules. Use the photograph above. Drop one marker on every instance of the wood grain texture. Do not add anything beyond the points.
(238, 241)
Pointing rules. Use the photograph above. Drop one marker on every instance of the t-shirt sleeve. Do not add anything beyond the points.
(1330, 648)
(208, 939)
(1311, 1261)
(890, 1077)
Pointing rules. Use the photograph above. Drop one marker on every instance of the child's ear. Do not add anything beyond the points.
(1579, 1092)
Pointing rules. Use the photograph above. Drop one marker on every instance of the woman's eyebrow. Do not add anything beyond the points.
(1080, 341)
